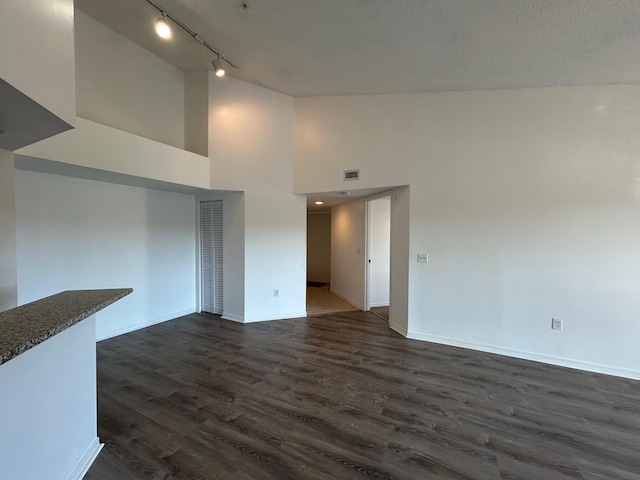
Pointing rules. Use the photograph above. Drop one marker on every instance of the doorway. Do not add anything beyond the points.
(211, 228)
(321, 300)
(378, 265)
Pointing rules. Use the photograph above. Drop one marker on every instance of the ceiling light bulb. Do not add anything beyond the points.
(162, 27)
(319, 203)
(217, 67)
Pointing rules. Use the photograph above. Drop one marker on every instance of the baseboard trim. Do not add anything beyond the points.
(379, 304)
(278, 316)
(82, 467)
(139, 326)
(399, 329)
(526, 355)
(232, 317)
(348, 300)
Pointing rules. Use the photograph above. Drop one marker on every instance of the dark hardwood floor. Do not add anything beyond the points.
(382, 312)
(344, 397)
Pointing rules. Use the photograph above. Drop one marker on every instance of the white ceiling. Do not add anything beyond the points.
(331, 199)
(341, 47)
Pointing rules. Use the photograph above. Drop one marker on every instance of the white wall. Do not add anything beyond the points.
(83, 234)
(106, 149)
(196, 112)
(8, 274)
(319, 247)
(526, 201)
(251, 147)
(49, 403)
(37, 52)
(400, 290)
(348, 251)
(124, 86)
(379, 251)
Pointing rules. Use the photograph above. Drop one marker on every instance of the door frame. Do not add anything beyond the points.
(367, 247)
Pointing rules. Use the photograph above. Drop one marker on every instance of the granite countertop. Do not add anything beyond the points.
(26, 326)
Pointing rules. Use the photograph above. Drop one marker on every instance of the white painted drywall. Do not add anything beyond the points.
(251, 147)
(232, 252)
(8, 273)
(348, 251)
(82, 234)
(196, 112)
(122, 85)
(527, 202)
(48, 407)
(37, 52)
(100, 147)
(379, 251)
(400, 290)
(319, 247)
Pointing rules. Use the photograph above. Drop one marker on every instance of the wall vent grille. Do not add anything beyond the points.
(350, 175)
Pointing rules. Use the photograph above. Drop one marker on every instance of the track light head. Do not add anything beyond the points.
(217, 67)
(162, 27)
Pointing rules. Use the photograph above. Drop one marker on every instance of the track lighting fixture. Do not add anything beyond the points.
(217, 67)
(162, 27)
(164, 30)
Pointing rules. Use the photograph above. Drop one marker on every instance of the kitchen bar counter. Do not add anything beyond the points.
(48, 414)
(26, 326)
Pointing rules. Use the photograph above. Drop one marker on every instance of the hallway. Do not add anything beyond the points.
(321, 301)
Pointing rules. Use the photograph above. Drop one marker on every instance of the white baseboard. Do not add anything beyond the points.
(359, 305)
(232, 317)
(379, 304)
(82, 467)
(277, 316)
(526, 355)
(397, 328)
(138, 326)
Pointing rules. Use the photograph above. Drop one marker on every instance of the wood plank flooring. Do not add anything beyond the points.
(382, 312)
(344, 397)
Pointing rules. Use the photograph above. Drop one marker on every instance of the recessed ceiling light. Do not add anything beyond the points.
(319, 203)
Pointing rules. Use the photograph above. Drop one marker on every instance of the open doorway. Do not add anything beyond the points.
(321, 299)
(349, 250)
(378, 265)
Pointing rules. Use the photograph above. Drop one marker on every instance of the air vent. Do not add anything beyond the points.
(351, 175)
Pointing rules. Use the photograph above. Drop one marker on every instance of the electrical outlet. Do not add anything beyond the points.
(276, 292)
(423, 258)
(556, 324)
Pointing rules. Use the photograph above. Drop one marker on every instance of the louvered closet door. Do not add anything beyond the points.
(211, 241)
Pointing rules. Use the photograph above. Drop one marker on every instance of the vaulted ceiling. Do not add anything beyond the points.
(342, 47)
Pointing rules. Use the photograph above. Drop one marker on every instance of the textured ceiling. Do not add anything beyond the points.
(341, 47)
